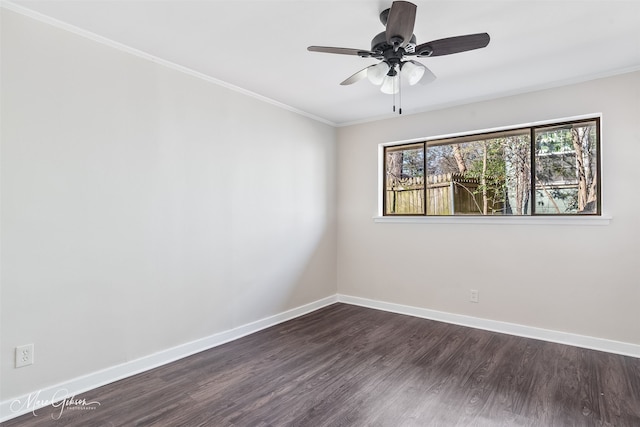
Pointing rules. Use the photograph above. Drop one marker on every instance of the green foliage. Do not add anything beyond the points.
(413, 163)
(554, 141)
(490, 174)
(497, 171)
(495, 165)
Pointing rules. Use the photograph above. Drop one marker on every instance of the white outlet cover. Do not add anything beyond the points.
(24, 355)
(474, 296)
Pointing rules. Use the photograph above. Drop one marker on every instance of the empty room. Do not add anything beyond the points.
(319, 213)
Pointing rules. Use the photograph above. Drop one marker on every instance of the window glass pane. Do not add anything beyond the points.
(566, 169)
(498, 173)
(489, 176)
(404, 180)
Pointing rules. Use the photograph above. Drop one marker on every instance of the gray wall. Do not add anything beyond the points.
(143, 208)
(577, 279)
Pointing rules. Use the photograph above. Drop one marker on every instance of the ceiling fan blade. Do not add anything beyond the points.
(402, 18)
(452, 45)
(428, 75)
(341, 51)
(357, 76)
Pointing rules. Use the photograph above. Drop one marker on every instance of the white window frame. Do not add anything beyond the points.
(603, 219)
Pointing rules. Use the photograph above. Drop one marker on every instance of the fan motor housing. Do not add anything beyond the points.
(379, 43)
(387, 52)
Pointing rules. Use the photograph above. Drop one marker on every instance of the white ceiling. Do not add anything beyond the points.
(260, 46)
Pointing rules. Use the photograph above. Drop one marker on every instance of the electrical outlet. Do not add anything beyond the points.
(473, 295)
(24, 355)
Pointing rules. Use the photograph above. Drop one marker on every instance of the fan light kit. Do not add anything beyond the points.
(397, 43)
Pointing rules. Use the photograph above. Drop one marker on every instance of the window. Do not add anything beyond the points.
(550, 169)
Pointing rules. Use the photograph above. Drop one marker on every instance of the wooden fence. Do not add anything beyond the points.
(447, 194)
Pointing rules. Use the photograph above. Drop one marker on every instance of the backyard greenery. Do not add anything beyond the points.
(492, 174)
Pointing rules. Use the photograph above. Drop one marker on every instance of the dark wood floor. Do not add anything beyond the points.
(351, 366)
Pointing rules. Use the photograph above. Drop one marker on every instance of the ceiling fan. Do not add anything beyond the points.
(395, 47)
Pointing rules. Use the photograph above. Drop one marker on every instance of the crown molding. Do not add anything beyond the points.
(144, 55)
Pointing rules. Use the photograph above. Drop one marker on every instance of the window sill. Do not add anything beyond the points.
(501, 220)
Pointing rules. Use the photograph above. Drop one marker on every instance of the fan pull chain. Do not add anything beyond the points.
(396, 81)
(399, 91)
(393, 90)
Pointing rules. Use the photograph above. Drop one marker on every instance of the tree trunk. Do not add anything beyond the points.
(457, 154)
(587, 179)
(483, 180)
(519, 193)
(394, 167)
(580, 169)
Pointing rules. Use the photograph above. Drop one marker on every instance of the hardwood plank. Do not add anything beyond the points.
(345, 365)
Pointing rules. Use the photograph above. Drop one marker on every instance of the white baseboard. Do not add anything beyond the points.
(15, 407)
(21, 405)
(601, 344)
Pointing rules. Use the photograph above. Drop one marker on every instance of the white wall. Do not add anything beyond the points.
(582, 280)
(143, 208)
